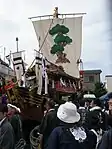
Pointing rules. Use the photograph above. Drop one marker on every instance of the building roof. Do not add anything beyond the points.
(3, 63)
(96, 71)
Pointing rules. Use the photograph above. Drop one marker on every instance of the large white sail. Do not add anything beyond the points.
(73, 51)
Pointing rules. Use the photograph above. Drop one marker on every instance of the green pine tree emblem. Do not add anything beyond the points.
(60, 41)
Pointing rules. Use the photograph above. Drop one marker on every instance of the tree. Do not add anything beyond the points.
(60, 41)
(100, 89)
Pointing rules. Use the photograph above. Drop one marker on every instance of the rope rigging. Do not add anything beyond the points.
(41, 45)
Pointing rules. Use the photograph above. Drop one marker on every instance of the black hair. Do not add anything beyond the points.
(110, 96)
(3, 108)
(82, 103)
(88, 100)
(51, 103)
(97, 102)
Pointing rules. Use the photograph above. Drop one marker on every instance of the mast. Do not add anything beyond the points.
(4, 53)
(58, 14)
(17, 44)
(55, 15)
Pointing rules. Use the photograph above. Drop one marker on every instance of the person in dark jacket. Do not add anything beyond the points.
(48, 123)
(6, 130)
(82, 111)
(106, 142)
(14, 118)
(96, 118)
(69, 135)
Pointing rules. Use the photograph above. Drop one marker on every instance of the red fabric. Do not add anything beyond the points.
(81, 72)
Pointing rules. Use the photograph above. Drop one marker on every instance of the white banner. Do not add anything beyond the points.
(38, 71)
(18, 66)
(73, 51)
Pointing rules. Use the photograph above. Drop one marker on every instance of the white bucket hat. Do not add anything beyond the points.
(16, 108)
(68, 113)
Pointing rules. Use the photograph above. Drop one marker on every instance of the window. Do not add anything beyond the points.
(91, 78)
(86, 79)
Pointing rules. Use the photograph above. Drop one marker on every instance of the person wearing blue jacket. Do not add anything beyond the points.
(70, 135)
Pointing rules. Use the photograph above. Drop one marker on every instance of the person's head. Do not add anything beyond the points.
(12, 109)
(110, 101)
(87, 102)
(67, 113)
(50, 104)
(82, 103)
(3, 111)
(96, 102)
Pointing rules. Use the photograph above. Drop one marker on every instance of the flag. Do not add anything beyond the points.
(18, 66)
(8, 57)
(44, 74)
(38, 71)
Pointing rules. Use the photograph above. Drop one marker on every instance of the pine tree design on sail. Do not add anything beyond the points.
(60, 41)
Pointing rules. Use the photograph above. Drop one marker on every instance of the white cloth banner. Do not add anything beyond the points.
(18, 66)
(38, 71)
(73, 50)
(44, 74)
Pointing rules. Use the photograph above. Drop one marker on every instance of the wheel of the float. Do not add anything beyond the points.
(35, 137)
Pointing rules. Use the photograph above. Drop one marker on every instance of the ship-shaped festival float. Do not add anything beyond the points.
(54, 72)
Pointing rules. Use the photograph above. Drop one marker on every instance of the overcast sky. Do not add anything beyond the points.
(97, 38)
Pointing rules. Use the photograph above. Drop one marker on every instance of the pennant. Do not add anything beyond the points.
(38, 71)
(44, 74)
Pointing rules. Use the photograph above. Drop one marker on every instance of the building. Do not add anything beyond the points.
(108, 83)
(5, 70)
(90, 78)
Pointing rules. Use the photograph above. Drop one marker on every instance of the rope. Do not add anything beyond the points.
(46, 35)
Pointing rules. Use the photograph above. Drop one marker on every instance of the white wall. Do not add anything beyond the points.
(109, 83)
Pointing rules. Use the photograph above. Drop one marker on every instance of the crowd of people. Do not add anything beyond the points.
(85, 125)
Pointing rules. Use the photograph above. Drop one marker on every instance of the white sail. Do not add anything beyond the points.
(73, 50)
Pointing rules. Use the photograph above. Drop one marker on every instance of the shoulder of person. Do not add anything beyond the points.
(52, 112)
(109, 133)
(92, 134)
(7, 126)
(58, 130)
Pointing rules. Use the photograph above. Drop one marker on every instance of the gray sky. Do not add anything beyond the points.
(14, 22)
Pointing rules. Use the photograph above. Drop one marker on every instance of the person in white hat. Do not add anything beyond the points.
(15, 120)
(69, 135)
